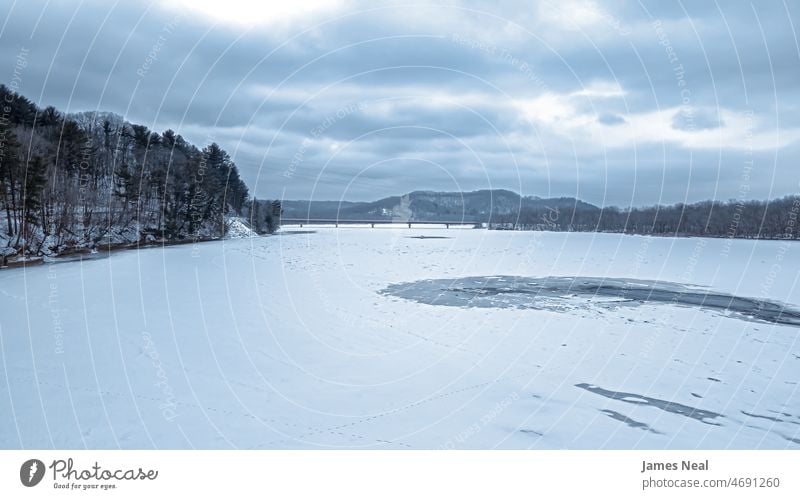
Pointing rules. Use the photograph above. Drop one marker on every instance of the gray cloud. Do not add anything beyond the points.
(696, 119)
(575, 98)
(610, 119)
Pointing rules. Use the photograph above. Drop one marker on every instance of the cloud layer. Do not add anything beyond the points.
(616, 103)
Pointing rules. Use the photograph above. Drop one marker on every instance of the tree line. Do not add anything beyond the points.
(70, 182)
(775, 219)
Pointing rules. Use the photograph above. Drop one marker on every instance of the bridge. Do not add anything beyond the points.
(372, 223)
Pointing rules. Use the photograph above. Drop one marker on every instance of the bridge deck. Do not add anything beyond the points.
(372, 223)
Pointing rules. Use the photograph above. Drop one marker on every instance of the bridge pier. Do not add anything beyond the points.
(447, 226)
(409, 225)
(373, 226)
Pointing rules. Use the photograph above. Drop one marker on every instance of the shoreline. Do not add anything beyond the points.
(101, 251)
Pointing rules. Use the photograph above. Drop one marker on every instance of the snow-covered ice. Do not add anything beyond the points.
(291, 341)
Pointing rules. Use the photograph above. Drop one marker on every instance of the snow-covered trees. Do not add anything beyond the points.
(92, 178)
(264, 216)
(775, 219)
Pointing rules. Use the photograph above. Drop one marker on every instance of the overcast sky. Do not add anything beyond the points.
(624, 102)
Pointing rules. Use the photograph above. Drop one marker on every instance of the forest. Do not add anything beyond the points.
(775, 219)
(80, 181)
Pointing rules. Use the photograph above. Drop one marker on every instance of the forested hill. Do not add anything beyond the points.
(78, 181)
(476, 206)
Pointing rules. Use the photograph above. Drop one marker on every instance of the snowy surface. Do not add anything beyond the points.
(287, 341)
(237, 228)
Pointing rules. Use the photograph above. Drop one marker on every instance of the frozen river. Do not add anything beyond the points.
(379, 338)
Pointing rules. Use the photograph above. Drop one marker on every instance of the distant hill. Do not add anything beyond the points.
(476, 206)
(502, 209)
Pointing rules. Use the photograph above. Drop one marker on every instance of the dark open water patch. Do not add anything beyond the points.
(569, 293)
(628, 421)
(793, 440)
(769, 418)
(675, 408)
(294, 232)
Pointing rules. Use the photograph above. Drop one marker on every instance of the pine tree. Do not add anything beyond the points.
(9, 175)
(35, 177)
